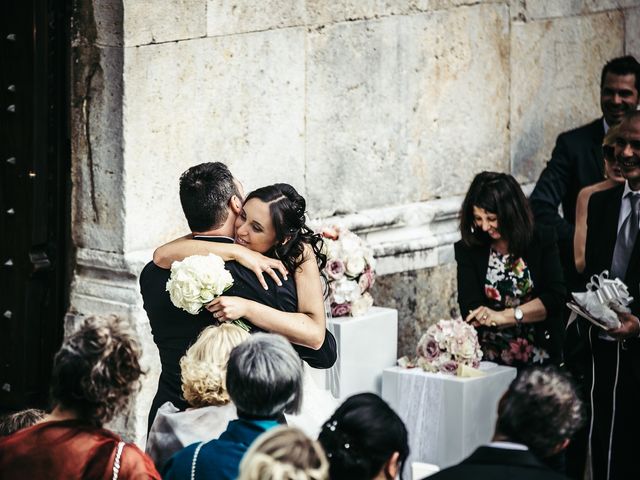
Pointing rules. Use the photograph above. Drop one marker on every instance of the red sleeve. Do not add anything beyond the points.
(136, 465)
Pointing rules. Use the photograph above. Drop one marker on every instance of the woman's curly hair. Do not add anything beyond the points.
(204, 366)
(284, 453)
(97, 369)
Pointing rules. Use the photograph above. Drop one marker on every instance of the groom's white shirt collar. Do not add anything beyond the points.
(508, 445)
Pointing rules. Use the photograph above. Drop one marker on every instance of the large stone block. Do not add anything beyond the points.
(226, 17)
(146, 21)
(237, 99)
(555, 77)
(395, 105)
(632, 32)
(97, 172)
(422, 297)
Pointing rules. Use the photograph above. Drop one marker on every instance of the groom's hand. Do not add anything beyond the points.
(225, 309)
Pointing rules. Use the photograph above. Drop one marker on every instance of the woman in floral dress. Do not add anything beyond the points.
(510, 283)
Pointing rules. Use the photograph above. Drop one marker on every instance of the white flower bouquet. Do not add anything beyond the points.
(350, 271)
(197, 280)
(447, 346)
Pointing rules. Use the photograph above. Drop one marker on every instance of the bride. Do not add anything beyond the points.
(272, 223)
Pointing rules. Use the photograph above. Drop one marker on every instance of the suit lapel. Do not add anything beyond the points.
(609, 224)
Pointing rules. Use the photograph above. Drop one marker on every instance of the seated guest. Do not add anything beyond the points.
(284, 453)
(12, 422)
(264, 380)
(365, 439)
(510, 281)
(537, 416)
(203, 368)
(95, 373)
(613, 176)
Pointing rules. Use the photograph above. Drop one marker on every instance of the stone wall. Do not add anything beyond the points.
(378, 112)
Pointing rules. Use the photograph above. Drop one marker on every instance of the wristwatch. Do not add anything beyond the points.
(517, 313)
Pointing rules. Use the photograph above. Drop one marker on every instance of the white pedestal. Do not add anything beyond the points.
(447, 417)
(366, 346)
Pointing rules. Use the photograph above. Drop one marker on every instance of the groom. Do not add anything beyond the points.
(211, 199)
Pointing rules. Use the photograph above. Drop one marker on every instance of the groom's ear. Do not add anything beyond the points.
(235, 204)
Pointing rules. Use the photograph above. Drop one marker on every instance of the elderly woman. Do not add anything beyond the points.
(510, 281)
(203, 369)
(95, 374)
(264, 380)
(284, 453)
(365, 439)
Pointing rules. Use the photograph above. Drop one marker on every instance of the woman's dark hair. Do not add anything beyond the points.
(361, 436)
(498, 193)
(287, 209)
(97, 369)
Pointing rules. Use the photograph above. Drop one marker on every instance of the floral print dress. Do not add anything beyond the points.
(508, 284)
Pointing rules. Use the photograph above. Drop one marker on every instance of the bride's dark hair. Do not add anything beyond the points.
(287, 208)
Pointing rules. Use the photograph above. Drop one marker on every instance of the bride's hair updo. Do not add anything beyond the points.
(287, 208)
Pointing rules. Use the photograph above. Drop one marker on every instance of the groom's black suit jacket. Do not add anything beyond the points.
(174, 330)
(490, 463)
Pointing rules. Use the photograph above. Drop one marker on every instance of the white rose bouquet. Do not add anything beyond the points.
(197, 280)
(445, 346)
(350, 271)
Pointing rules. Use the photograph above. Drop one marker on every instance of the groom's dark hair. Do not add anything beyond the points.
(205, 191)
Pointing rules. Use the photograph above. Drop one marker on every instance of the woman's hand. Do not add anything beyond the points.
(487, 317)
(225, 309)
(259, 264)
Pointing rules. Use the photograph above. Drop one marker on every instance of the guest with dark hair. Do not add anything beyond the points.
(510, 282)
(264, 380)
(364, 440)
(577, 161)
(537, 417)
(12, 422)
(95, 373)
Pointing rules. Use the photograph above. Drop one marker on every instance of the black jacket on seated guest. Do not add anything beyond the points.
(492, 463)
(174, 329)
(543, 261)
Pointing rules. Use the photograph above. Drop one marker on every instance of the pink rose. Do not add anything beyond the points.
(340, 309)
(335, 269)
(429, 349)
(449, 367)
(331, 232)
(367, 279)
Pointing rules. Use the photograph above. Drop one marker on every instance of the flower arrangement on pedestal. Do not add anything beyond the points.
(350, 271)
(447, 347)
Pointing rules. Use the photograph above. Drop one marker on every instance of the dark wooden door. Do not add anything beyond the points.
(34, 195)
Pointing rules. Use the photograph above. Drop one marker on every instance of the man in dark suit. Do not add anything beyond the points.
(612, 244)
(536, 418)
(211, 199)
(577, 161)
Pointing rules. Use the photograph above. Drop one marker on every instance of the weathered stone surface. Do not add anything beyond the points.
(632, 32)
(97, 199)
(394, 104)
(237, 99)
(107, 18)
(146, 21)
(328, 11)
(555, 77)
(422, 297)
(225, 17)
(541, 9)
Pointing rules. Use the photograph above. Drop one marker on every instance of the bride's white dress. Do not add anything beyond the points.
(318, 404)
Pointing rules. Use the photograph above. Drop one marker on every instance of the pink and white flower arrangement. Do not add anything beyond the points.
(350, 271)
(446, 345)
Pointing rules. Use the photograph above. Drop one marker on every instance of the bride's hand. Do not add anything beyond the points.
(225, 309)
(259, 264)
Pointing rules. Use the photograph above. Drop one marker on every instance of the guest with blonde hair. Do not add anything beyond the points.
(284, 453)
(203, 370)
